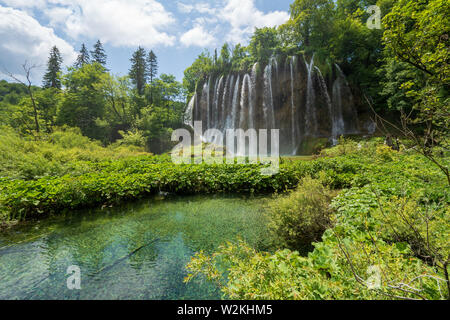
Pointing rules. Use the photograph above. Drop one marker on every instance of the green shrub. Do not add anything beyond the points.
(246, 274)
(47, 172)
(301, 217)
(424, 227)
(389, 238)
(132, 138)
(62, 152)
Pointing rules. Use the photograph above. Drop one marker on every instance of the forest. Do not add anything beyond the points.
(366, 217)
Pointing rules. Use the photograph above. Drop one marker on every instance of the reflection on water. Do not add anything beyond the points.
(137, 251)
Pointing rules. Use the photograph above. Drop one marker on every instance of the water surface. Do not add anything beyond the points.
(136, 251)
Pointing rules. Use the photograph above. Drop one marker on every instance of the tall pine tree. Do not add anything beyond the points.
(51, 79)
(152, 64)
(99, 55)
(139, 70)
(83, 57)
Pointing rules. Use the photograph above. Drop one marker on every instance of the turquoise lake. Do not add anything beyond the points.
(135, 251)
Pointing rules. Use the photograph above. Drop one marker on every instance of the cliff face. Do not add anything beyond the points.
(290, 95)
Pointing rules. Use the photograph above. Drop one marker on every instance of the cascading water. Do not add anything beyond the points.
(229, 102)
(324, 92)
(252, 97)
(225, 103)
(245, 100)
(189, 114)
(338, 118)
(235, 103)
(217, 90)
(268, 105)
(343, 99)
(208, 105)
(311, 117)
(294, 123)
(292, 97)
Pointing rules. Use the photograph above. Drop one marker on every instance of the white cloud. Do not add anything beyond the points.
(24, 38)
(122, 22)
(244, 17)
(23, 4)
(185, 8)
(117, 22)
(234, 20)
(58, 15)
(197, 36)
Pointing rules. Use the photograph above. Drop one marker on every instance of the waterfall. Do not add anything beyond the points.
(225, 97)
(235, 104)
(338, 117)
(228, 117)
(245, 101)
(311, 117)
(274, 62)
(189, 114)
(204, 102)
(268, 106)
(215, 112)
(324, 91)
(291, 97)
(252, 97)
(294, 123)
(343, 91)
(208, 103)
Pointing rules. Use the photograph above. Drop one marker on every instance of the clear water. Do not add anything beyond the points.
(34, 258)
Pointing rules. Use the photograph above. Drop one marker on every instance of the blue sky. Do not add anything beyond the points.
(177, 30)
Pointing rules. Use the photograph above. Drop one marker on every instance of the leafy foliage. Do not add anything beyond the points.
(387, 240)
(301, 218)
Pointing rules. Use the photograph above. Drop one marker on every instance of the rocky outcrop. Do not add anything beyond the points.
(291, 95)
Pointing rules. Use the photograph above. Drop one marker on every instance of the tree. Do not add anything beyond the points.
(152, 64)
(308, 17)
(167, 92)
(27, 70)
(197, 71)
(119, 113)
(83, 102)
(99, 55)
(83, 57)
(225, 56)
(239, 55)
(418, 34)
(156, 124)
(139, 70)
(48, 101)
(51, 78)
(263, 44)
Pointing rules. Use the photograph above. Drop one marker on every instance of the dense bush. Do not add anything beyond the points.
(301, 218)
(81, 179)
(65, 151)
(324, 274)
(388, 240)
(356, 259)
(133, 179)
